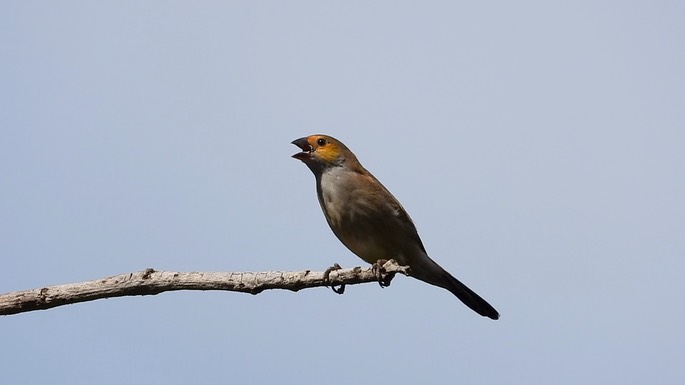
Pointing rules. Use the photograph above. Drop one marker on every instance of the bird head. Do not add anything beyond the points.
(320, 152)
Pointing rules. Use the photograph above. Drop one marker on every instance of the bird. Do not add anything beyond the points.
(370, 221)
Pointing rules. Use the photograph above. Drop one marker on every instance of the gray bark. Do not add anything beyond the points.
(151, 282)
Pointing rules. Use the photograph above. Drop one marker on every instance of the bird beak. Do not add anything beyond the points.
(305, 146)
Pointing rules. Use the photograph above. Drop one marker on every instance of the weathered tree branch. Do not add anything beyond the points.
(151, 282)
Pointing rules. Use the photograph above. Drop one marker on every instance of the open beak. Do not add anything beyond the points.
(306, 148)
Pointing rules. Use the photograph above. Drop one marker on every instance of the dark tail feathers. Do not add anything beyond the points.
(470, 298)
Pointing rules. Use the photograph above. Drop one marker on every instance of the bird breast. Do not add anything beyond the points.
(365, 217)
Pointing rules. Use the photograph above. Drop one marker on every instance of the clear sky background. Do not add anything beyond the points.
(538, 146)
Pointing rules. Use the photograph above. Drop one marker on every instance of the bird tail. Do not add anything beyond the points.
(432, 273)
(469, 297)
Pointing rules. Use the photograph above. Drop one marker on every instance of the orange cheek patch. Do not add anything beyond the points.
(329, 152)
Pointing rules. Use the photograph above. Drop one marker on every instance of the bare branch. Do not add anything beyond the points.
(151, 282)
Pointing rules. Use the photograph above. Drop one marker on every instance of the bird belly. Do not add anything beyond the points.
(356, 221)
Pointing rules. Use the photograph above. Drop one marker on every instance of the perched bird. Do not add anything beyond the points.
(368, 219)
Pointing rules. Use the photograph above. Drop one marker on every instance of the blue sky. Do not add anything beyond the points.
(538, 146)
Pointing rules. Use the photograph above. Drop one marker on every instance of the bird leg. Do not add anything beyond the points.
(384, 278)
(327, 279)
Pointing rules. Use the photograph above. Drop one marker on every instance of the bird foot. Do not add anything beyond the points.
(327, 279)
(384, 278)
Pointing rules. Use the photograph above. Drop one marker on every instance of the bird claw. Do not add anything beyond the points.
(384, 278)
(327, 279)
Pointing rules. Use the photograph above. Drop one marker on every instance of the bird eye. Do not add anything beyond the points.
(321, 142)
